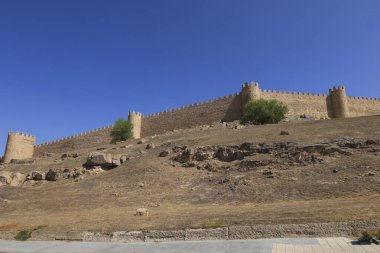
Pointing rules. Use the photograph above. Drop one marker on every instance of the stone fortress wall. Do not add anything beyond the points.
(78, 141)
(320, 106)
(19, 146)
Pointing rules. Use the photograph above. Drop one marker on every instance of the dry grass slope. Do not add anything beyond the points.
(179, 196)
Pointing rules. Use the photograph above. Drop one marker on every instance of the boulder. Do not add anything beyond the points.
(226, 154)
(37, 175)
(52, 175)
(11, 178)
(17, 179)
(105, 160)
(185, 156)
(284, 133)
(164, 153)
(141, 212)
(202, 155)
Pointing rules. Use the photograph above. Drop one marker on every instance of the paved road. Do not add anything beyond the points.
(323, 245)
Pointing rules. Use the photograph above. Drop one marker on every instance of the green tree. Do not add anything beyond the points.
(262, 111)
(122, 130)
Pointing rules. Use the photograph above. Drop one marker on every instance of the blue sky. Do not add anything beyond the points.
(71, 66)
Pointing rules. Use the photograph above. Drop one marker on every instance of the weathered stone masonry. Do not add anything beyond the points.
(334, 105)
(19, 146)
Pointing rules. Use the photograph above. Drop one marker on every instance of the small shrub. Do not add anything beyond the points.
(378, 234)
(23, 235)
(262, 111)
(367, 238)
(121, 131)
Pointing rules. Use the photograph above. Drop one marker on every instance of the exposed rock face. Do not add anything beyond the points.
(203, 153)
(36, 175)
(68, 155)
(105, 160)
(164, 153)
(141, 212)
(185, 156)
(52, 175)
(226, 154)
(222, 153)
(12, 179)
(224, 158)
(354, 143)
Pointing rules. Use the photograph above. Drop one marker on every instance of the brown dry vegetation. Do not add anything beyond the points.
(179, 197)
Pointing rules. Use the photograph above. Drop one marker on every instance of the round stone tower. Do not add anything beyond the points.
(249, 92)
(338, 100)
(19, 146)
(135, 118)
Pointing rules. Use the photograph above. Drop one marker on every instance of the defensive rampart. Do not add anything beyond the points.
(84, 140)
(299, 103)
(320, 106)
(19, 146)
(226, 108)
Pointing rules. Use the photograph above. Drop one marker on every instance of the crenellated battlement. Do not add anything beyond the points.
(135, 118)
(19, 146)
(184, 107)
(339, 88)
(252, 84)
(249, 92)
(74, 136)
(362, 98)
(338, 105)
(24, 135)
(335, 104)
(296, 93)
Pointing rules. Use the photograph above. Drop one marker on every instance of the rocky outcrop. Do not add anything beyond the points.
(164, 153)
(355, 143)
(227, 154)
(104, 160)
(37, 175)
(53, 175)
(216, 158)
(70, 155)
(11, 178)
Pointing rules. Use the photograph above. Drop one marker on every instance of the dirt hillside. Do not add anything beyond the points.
(219, 175)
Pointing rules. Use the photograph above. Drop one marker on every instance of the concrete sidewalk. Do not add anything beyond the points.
(283, 245)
